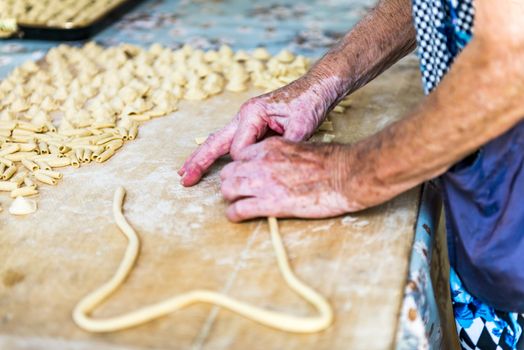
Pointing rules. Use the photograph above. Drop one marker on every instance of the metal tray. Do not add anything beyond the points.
(80, 25)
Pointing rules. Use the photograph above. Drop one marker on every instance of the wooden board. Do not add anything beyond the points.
(49, 260)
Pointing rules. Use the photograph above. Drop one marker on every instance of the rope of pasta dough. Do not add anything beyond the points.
(269, 318)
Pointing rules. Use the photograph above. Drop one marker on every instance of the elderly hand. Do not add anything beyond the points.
(283, 179)
(294, 111)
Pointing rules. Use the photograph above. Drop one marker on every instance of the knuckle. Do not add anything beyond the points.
(227, 191)
(253, 105)
(226, 170)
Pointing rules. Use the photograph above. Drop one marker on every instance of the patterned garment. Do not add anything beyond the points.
(480, 326)
(444, 28)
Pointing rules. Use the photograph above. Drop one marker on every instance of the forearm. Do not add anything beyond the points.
(379, 40)
(480, 99)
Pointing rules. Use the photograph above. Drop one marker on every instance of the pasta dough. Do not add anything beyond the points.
(268, 318)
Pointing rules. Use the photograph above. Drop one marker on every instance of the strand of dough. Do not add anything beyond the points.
(269, 318)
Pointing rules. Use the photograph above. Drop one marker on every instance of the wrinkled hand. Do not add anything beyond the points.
(283, 179)
(294, 111)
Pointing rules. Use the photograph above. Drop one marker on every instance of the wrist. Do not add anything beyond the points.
(355, 178)
(331, 84)
(347, 183)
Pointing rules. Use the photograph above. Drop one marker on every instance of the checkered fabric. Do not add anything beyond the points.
(444, 27)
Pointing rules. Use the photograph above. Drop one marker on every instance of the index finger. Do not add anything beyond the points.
(216, 145)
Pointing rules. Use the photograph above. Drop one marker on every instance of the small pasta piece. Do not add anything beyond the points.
(83, 147)
(76, 132)
(25, 191)
(195, 94)
(59, 162)
(10, 149)
(45, 178)
(133, 131)
(128, 94)
(145, 117)
(86, 157)
(103, 124)
(9, 172)
(29, 182)
(346, 102)
(5, 132)
(8, 186)
(326, 126)
(43, 166)
(27, 147)
(75, 163)
(54, 174)
(54, 150)
(108, 153)
(122, 132)
(285, 56)
(20, 105)
(18, 178)
(29, 127)
(42, 157)
(211, 56)
(18, 156)
(113, 132)
(98, 152)
(22, 132)
(236, 85)
(23, 138)
(328, 138)
(108, 139)
(339, 109)
(261, 54)
(241, 55)
(30, 165)
(43, 148)
(8, 124)
(50, 126)
(6, 162)
(79, 153)
(63, 149)
(114, 145)
(200, 139)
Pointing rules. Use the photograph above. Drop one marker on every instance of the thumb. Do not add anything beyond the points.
(250, 208)
(296, 133)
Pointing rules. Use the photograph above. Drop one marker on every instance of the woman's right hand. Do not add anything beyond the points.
(294, 111)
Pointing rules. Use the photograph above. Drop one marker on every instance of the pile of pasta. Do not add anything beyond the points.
(80, 104)
(56, 13)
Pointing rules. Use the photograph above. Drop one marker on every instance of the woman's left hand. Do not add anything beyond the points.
(284, 179)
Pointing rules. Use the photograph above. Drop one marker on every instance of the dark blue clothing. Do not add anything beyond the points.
(485, 219)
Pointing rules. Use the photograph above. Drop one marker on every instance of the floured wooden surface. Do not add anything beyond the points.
(51, 259)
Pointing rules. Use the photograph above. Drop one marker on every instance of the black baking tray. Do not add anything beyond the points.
(26, 31)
